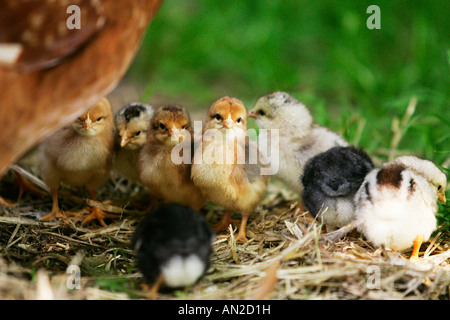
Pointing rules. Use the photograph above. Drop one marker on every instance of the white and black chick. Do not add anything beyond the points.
(396, 204)
(173, 245)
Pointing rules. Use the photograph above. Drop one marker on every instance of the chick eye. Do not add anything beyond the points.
(218, 117)
(239, 120)
(261, 113)
(161, 126)
(137, 133)
(439, 187)
(99, 119)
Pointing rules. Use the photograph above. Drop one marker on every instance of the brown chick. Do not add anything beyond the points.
(81, 155)
(168, 179)
(50, 74)
(223, 167)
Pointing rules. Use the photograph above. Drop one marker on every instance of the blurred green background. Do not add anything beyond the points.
(354, 80)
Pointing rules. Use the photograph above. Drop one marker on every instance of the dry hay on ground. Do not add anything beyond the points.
(287, 256)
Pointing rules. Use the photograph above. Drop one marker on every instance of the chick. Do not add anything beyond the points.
(81, 155)
(300, 138)
(396, 205)
(331, 180)
(132, 122)
(173, 246)
(227, 179)
(166, 179)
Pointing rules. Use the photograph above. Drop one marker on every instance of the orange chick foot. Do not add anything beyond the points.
(242, 234)
(55, 213)
(97, 214)
(241, 237)
(224, 223)
(151, 292)
(415, 253)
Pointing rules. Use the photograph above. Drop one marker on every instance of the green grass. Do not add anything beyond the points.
(354, 80)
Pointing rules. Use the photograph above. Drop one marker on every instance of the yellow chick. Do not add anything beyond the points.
(222, 168)
(81, 155)
(170, 127)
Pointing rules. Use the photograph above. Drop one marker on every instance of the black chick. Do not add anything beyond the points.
(331, 180)
(173, 245)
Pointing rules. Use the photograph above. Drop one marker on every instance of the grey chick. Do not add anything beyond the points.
(331, 180)
(132, 122)
(396, 205)
(300, 138)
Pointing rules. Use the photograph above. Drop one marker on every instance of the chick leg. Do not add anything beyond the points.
(56, 211)
(150, 292)
(242, 234)
(341, 232)
(6, 203)
(141, 201)
(97, 213)
(417, 243)
(301, 207)
(154, 202)
(225, 222)
(25, 185)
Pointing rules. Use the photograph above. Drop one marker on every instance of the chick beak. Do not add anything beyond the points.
(252, 114)
(175, 135)
(124, 141)
(87, 123)
(441, 197)
(228, 123)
